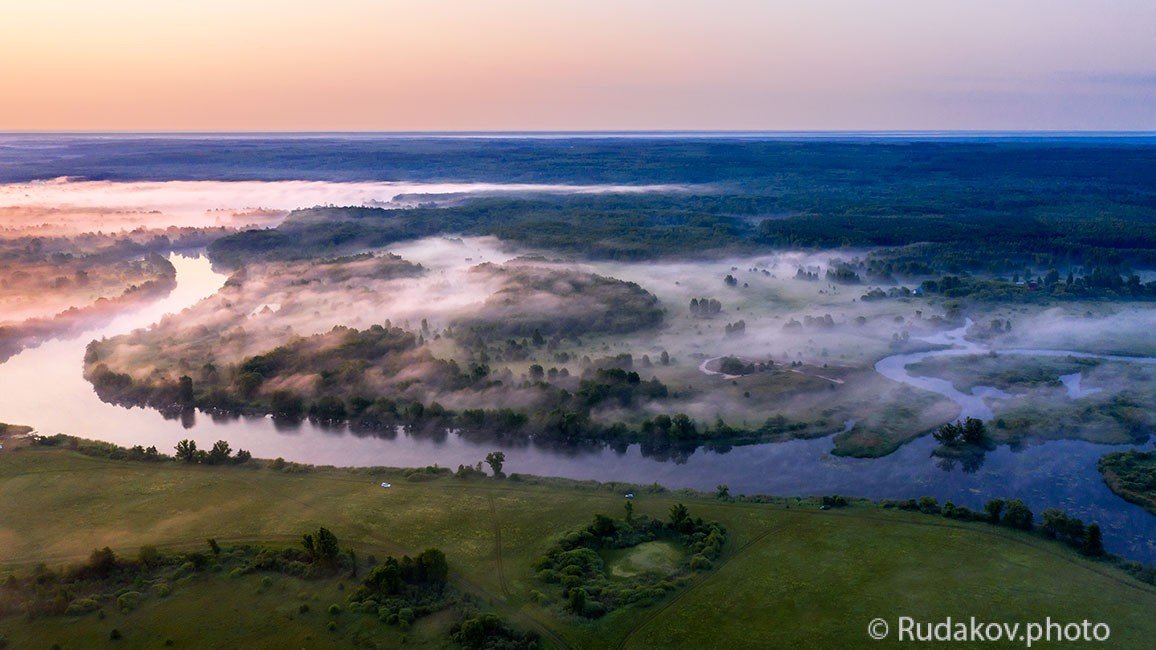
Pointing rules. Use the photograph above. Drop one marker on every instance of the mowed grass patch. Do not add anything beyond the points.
(659, 558)
(786, 575)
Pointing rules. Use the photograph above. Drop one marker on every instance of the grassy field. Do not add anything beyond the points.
(790, 573)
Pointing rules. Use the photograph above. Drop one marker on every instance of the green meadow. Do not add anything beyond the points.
(789, 574)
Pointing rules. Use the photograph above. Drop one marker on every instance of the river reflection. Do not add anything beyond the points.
(43, 387)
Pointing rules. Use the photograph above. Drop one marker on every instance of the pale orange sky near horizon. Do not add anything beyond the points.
(539, 65)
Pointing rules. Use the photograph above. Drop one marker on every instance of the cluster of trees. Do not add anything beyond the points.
(321, 548)
(394, 576)
(1014, 513)
(843, 274)
(824, 322)
(186, 451)
(396, 590)
(736, 366)
(877, 293)
(81, 588)
(574, 564)
(704, 307)
(971, 431)
(1099, 282)
(106, 579)
(485, 631)
(318, 555)
(1132, 475)
(220, 454)
(736, 329)
(400, 591)
(620, 387)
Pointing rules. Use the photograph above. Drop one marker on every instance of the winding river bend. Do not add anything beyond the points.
(43, 387)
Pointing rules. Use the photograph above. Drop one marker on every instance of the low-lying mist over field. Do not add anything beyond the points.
(344, 314)
(66, 206)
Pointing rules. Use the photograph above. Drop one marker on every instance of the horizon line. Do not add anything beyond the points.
(608, 132)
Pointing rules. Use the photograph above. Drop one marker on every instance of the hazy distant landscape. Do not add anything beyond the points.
(463, 352)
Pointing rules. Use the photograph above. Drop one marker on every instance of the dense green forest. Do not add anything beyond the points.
(981, 203)
(633, 227)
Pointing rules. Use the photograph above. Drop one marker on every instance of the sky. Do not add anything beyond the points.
(386, 65)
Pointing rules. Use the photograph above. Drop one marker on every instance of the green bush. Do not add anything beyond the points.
(128, 601)
(82, 606)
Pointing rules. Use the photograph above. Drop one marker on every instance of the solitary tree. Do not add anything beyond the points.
(948, 434)
(220, 452)
(185, 390)
(1018, 515)
(994, 509)
(722, 492)
(187, 451)
(495, 459)
(974, 432)
(603, 526)
(1093, 541)
(435, 566)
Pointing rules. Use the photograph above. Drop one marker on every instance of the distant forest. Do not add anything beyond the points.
(980, 204)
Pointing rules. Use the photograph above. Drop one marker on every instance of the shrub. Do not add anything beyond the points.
(928, 505)
(405, 615)
(128, 601)
(81, 606)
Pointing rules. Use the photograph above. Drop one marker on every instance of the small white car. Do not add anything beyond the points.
(387, 485)
(629, 495)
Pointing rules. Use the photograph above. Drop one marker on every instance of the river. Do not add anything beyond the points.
(43, 387)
